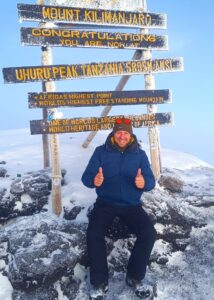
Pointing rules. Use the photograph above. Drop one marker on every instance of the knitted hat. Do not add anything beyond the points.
(123, 124)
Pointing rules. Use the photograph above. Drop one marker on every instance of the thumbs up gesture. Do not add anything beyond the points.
(139, 180)
(98, 179)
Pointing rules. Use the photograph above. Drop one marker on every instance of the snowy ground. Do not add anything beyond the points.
(188, 275)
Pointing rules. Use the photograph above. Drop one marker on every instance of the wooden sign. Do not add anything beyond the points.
(111, 98)
(94, 123)
(61, 72)
(76, 38)
(78, 15)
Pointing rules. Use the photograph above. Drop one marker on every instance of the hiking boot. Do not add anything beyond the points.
(97, 292)
(141, 290)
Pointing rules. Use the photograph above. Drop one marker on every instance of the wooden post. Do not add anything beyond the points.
(54, 146)
(153, 132)
(46, 155)
(46, 159)
(54, 140)
(56, 175)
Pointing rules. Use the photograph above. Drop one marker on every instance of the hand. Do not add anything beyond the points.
(139, 180)
(98, 179)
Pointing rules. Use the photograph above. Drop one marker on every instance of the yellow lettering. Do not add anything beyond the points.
(88, 16)
(134, 67)
(75, 34)
(148, 65)
(36, 32)
(55, 71)
(62, 72)
(114, 19)
(19, 74)
(106, 17)
(65, 33)
(40, 74)
(134, 20)
(46, 13)
(121, 18)
(152, 38)
(128, 67)
(94, 69)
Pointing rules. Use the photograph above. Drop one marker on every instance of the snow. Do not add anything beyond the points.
(5, 288)
(183, 161)
(60, 293)
(189, 279)
(79, 273)
(104, 4)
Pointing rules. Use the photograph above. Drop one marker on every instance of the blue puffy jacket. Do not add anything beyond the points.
(119, 170)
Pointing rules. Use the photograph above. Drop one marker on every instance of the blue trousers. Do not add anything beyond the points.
(138, 222)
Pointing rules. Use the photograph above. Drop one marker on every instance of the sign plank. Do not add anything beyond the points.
(96, 98)
(78, 15)
(94, 123)
(61, 72)
(76, 38)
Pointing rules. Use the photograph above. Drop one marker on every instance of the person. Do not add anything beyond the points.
(120, 172)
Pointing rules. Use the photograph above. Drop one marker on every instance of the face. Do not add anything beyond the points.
(122, 138)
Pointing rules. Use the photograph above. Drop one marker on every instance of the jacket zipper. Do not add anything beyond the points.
(121, 159)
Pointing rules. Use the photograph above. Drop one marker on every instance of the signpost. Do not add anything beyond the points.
(94, 123)
(78, 15)
(92, 39)
(96, 98)
(61, 72)
(93, 15)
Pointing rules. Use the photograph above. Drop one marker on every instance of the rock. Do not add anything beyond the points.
(2, 162)
(119, 255)
(42, 249)
(172, 222)
(175, 235)
(70, 287)
(41, 252)
(63, 172)
(37, 184)
(162, 260)
(28, 195)
(3, 172)
(72, 213)
(2, 193)
(41, 293)
(13, 206)
(173, 184)
(6, 208)
(17, 187)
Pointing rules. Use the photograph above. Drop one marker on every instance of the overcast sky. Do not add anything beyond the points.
(190, 36)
